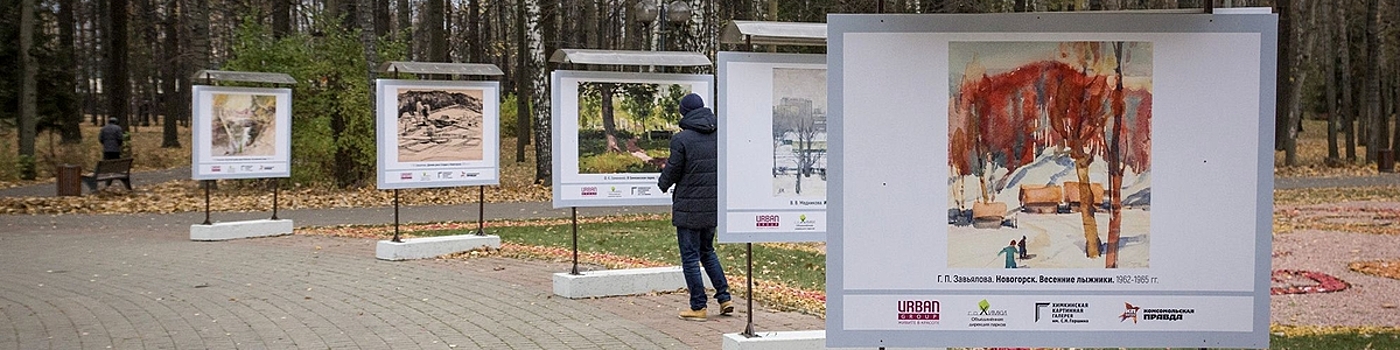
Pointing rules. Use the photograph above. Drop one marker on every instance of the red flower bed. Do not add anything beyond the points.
(1304, 282)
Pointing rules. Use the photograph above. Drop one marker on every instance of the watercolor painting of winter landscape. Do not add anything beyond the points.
(1050, 147)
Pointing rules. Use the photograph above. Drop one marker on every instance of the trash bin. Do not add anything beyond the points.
(1385, 160)
(69, 180)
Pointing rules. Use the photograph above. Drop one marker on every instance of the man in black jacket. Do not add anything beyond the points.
(111, 138)
(693, 168)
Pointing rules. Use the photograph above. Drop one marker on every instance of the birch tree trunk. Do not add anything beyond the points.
(543, 26)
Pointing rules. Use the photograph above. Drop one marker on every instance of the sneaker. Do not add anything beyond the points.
(693, 315)
(726, 308)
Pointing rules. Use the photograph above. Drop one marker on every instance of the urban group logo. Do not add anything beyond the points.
(1057, 312)
(767, 221)
(986, 317)
(589, 191)
(215, 169)
(919, 311)
(405, 176)
(805, 224)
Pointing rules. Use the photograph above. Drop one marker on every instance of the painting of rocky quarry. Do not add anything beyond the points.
(1049, 153)
(243, 125)
(439, 124)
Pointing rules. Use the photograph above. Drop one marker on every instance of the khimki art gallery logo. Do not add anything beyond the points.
(986, 317)
(1057, 312)
(919, 311)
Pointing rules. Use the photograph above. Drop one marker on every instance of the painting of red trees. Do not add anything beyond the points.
(1047, 140)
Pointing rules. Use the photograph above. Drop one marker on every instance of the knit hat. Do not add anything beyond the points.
(691, 102)
(112, 120)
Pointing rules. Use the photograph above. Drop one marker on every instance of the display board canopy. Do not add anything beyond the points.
(249, 77)
(441, 68)
(774, 33)
(630, 57)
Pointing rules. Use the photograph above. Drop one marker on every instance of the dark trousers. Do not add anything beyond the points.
(697, 249)
(111, 155)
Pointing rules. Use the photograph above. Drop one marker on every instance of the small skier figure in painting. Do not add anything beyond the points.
(1022, 246)
(1010, 252)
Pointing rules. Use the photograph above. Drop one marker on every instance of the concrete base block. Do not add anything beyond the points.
(431, 247)
(620, 282)
(786, 340)
(223, 231)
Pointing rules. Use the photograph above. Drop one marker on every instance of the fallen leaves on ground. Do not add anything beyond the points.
(1305, 331)
(775, 295)
(188, 195)
(1360, 219)
(1383, 268)
(1304, 196)
(410, 230)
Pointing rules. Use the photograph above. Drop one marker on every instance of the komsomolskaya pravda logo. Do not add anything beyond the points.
(1154, 314)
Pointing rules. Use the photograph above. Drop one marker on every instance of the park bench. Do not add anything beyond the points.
(109, 170)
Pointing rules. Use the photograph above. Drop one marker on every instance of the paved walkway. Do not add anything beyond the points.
(138, 282)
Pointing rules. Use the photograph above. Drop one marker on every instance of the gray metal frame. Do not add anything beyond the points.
(724, 236)
(839, 336)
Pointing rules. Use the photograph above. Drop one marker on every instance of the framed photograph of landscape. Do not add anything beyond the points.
(437, 133)
(1106, 180)
(612, 133)
(241, 133)
(772, 148)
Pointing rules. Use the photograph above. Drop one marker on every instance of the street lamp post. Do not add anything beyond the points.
(676, 12)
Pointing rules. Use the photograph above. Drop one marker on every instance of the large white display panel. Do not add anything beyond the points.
(772, 147)
(594, 168)
(929, 110)
(437, 133)
(241, 133)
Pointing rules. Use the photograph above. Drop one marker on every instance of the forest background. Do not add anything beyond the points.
(1339, 62)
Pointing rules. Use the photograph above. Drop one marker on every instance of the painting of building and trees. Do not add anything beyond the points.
(799, 132)
(626, 127)
(1050, 148)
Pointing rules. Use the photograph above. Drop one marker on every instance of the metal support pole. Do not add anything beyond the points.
(574, 210)
(275, 189)
(748, 292)
(1210, 6)
(206, 203)
(481, 211)
(396, 217)
(880, 8)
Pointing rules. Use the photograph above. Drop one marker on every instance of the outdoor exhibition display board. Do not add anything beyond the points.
(612, 133)
(1027, 130)
(437, 133)
(772, 147)
(241, 133)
